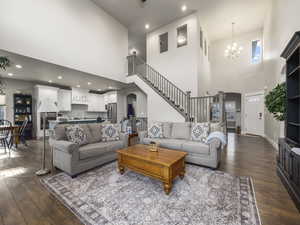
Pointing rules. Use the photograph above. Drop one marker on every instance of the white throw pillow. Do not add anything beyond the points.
(76, 135)
(110, 132)
(155, 130)
(200, 132)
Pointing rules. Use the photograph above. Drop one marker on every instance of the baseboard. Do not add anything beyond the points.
(272, 142)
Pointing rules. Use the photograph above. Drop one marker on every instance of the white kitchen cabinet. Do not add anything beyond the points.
(96, 103)
(110, 97)
(46, 94)
(64, 100)
(80, 96)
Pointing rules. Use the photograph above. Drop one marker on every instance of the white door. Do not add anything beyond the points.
(254, 113)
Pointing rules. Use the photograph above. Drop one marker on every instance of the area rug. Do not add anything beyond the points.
(203, 197)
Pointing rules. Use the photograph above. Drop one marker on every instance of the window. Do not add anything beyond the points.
(256, 56)
(201, 38)
(163, 42)
(182, 36)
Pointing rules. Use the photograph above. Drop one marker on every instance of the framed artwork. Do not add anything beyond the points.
(182, 36)
(163, 42)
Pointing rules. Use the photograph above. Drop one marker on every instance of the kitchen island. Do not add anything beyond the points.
(53, 123)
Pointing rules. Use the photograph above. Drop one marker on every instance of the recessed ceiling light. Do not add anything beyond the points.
(50, 81)
(98, 89)
(78, 85)
(110, 87)
(59, 77)
(19, 66)
(89, 83)
(147, 26)
(10, 74)
(183, 8)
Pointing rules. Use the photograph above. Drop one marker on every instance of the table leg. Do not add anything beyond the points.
(182, 173)
(167, 187)
(121, 169)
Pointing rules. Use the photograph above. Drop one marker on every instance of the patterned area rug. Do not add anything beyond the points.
(203, 197)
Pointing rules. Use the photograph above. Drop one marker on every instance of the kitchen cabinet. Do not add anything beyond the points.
(46, 94)
(110, 97)
(80, 96)
(96, 103)
(49, 96)
(64, 100)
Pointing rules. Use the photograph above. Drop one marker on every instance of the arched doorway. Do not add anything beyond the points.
(131, 105)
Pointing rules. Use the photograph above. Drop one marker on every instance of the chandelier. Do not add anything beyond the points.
(233, 51)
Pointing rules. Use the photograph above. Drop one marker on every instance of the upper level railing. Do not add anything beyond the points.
(197, 109)
(178, 97)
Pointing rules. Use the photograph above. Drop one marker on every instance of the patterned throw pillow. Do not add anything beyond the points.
(76, 135)
(155, 130)
(110, 132)
(200, 132)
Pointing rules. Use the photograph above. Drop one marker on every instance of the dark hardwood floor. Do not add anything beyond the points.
(24, 201)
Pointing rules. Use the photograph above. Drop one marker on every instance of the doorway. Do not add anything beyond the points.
(233, 112)
(254, 113)
(131, 105)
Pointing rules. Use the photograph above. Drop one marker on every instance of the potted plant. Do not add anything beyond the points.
(275, 102)
(4, 62)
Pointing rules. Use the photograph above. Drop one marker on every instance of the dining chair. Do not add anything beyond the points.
(20, 134)
(5, 134)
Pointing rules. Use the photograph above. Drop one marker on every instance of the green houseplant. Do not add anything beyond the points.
(275, 102)
(4, 62)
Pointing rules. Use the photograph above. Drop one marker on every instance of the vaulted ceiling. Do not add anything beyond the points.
(216, 15)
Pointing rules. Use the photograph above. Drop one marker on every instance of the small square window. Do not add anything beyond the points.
(182, 36)
(163, 42)
(256, 56)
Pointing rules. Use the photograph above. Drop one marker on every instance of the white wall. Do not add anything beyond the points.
(238, 75)
(204, 65)
(282, 21)
(157, 108)
(71, 33)
(179, 65)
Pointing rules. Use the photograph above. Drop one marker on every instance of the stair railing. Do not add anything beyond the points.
(167, 89)
(195, 109)
(208, 108)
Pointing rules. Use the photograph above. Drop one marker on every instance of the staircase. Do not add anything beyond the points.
(194, 109)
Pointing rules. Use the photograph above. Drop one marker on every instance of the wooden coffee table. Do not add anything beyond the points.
(164, 165)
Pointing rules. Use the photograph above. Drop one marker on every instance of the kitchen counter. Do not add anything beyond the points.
(53, 123)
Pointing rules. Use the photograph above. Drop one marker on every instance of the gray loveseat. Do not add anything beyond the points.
(75, 159)
(177, 136)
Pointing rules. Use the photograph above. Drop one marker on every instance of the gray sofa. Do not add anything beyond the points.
(75, 159)
(177, 136)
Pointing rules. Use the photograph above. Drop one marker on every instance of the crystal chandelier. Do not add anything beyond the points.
(233, 51)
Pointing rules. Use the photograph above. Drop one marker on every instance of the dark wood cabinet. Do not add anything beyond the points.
(22, 111)
(288, 160)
